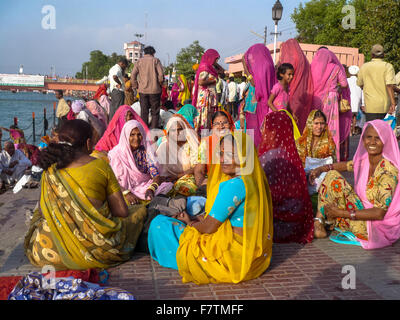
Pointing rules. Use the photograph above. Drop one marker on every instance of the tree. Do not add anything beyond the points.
(98, 65)
(187, 57)
(320, 22)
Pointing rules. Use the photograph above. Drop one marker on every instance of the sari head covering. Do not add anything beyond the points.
(293, 214)
(386, 232)
(102, 90)
(175, 160)
(189, 112)
(325, 148)
(225, 256)
(97, 111)
(260, 65)
(111, 136)
(185, 94)
(206, 64)
(302, 87)
(175, 94)
(124, 165)
(324, 67)
(77, 106)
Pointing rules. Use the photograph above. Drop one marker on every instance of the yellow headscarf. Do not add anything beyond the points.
(225, 256)
(185, 94)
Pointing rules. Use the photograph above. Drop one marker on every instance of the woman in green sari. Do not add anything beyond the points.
(82, 221)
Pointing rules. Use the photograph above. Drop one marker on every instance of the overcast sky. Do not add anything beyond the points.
(86, 25)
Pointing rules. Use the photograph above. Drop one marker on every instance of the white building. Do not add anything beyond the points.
(133, 51)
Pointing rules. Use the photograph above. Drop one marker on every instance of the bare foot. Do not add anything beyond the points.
(319, 230)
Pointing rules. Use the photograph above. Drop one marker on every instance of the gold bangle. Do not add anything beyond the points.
(126, 192)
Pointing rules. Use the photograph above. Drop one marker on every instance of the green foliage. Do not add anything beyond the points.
(320, 22)
(187, 57)
(98, 65)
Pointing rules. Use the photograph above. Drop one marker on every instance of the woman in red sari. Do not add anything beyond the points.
(301, 88)
(293, 215)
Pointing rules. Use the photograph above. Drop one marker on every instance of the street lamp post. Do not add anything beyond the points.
(277, 11)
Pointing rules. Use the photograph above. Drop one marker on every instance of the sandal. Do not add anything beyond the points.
(345, 237)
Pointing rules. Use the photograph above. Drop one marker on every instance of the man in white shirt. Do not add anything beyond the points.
(242, 87)
(356, 94)
(232, 98)
(117, 85)
(13, 164)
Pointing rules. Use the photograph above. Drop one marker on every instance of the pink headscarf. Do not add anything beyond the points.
(260, 65)
(206, 64)
(124, 165)
(324, 64)
(111, 136)
(97, 111)
(302, 87)
(386, 232)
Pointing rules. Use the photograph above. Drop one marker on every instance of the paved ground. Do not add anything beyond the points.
(313, 271)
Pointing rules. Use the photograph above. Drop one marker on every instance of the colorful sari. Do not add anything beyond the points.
(185, 93)
(293, 214)
(175, 94)
(223, 256)
(70, 233)
(205, 98)
(102, 97)
(127, 167)
(386, 232)
(111, 136)
(97, 110)
(29, 150)
(302, 87)
(325, 148)
(175, 161)
(327, 72)
(258, 62)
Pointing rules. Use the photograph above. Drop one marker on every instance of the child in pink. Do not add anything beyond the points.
(279, 98)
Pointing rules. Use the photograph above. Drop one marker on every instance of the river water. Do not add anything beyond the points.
(21, 105)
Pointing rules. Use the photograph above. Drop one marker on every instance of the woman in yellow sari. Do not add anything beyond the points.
(233, 243)
(83, 221)
(184, 93)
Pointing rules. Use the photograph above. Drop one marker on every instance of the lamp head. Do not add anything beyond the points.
(277, 11)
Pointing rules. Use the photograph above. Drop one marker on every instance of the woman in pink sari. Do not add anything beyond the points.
(258, 63)
(102, 97)
(302, 87)
(205, 92)
(134, 165)
(175, 94)
(369, 215)
(97, 110)
(111, 135)
(330, 86)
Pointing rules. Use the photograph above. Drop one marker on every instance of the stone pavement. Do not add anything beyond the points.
(297, 272)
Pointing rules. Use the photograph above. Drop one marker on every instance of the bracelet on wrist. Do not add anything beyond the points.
(352, 214)
(126, 192)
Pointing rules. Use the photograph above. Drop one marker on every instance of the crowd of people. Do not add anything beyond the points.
(209, 174)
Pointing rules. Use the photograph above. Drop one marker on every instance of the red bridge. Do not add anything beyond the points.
(66, 86)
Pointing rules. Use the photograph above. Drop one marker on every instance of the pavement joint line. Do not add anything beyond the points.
(153, 272)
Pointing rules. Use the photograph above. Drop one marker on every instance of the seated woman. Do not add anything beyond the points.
(133, 163)
(81, 112)
(83, 221)
(111, 136)
(177, 155)
(316, 141)
(222, 124)
(293, 214)
(233, 243)
(18, 137)
(372, 211)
